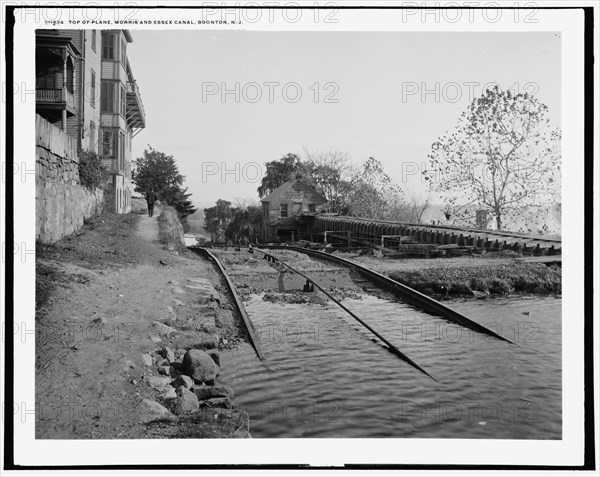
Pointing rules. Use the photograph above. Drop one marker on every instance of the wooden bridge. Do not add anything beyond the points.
(401, 236)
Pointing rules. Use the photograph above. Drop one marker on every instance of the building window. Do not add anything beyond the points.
(49, 78)
(123, 101)
(92, 143)
(94, 40)
(123, 52)
(93, 90)
(70, 75)
(107, 97)
(284, 210)
(312, 208)
(122, 151)
(108, 143)
(108, 46)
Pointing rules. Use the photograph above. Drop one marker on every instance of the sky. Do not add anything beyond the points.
(389, 95)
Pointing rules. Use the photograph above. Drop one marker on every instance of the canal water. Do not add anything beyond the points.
(327, 376)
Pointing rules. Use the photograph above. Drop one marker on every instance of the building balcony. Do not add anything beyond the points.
(55, 99)
(136, 116)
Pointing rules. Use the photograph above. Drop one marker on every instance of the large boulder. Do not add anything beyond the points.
(199, 366)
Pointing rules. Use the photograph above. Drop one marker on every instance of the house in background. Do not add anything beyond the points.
(85, 86)
(287, 212)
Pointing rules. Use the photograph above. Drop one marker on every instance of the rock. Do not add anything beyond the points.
(155, 339)
(151, 410)
(242, 434)
(186, 400)
(178, 302)
(163, 362)
(167, 353)
(100, 321)
(169, 393)
(147, 359)
(207, 341)
(540, 291)
(158, 382)
(209, 392)
(173, 282)
(164, 329)
(182, 380)
(199, 366)
(167, 371)
(178, 290)
(224, 319)
(130, 365)
(221, 402)
(215, 355)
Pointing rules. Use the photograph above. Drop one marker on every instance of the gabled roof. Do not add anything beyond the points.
(286, 187)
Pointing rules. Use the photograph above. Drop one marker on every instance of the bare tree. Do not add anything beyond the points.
(418, 203)
(332, 173)
(503, 157)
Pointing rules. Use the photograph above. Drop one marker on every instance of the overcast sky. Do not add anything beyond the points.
(377, 80)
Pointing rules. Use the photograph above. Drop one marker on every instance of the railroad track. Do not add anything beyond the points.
(407, 294)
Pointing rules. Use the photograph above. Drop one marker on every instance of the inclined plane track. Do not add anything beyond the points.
(405, 293)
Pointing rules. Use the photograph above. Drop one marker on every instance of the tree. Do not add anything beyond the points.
(216, 219)
(503, 157)
(156, 171)
(418, 204)
(278, 173)
(333, 174)
(159, 172)
(245, 224)
(376, 195)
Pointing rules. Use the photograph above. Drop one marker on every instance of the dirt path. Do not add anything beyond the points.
(147, 227)
(104, 312)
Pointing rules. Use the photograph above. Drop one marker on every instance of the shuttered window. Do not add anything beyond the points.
(123, 101)
(107, 97)
(108, 46)
(284, 210)
(94, 40)
(93, 90)
(123, 52)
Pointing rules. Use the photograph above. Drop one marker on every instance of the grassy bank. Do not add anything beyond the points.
(494, 279)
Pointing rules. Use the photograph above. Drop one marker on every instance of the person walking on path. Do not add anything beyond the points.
(151, 199)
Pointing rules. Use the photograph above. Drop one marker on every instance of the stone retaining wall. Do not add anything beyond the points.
(62, 203)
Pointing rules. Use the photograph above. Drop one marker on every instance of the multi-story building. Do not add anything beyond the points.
(121, 113)
(85, 86)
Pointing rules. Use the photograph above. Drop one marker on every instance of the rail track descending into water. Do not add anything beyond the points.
(405, 293)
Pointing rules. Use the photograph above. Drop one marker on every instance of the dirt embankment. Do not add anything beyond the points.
(496, 273)
(117, 315)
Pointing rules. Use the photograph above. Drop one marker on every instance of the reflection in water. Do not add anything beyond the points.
(329, 377)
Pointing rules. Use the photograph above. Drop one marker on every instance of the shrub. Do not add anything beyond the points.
(460, 288)
(92, 173)
(479, 284)
(500, 286)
